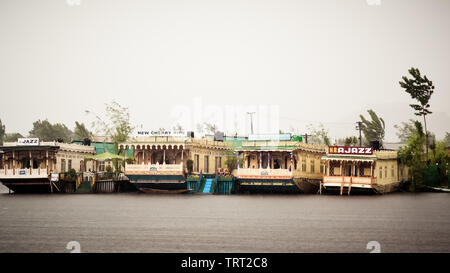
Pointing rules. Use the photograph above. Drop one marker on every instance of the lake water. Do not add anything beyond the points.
(133, 222)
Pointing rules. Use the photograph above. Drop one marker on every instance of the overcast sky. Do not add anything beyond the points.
(321, 61)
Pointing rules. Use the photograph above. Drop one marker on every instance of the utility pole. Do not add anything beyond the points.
(359, 127)
(251, 120)
(306, 137)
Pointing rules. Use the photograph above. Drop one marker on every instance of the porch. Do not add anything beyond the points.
(345, 173)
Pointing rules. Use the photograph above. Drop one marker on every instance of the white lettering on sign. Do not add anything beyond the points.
(28, 141)
(159, 133)
(350, 150)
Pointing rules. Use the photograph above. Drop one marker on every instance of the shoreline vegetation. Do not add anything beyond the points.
(426, 157)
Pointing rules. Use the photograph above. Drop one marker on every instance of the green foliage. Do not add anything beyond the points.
(420, 88)
(319, 135)
(117, 126)
(81, 132)
(190, 165)
(2, 132)
(412, 155)
(231, 162)
(12, 137)
(439, 157)
(210, 127)
(351, 141)
(406, 130)
(71, 175)
(46, 131)
(373, 129)
(447, 139)
(178, 128)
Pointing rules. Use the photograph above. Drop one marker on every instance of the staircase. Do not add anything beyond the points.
(208, 184)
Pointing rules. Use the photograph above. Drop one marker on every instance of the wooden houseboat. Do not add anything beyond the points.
(276, 163)
(27, 165)
(161, 162)
(362, 169)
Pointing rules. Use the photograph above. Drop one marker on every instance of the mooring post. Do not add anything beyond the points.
(350, 186)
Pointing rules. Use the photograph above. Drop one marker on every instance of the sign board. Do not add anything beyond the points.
(269, 137)
(350, 150)
(21, 172)
(146, 133)
(54, 177)
(28, 141)
(297, 138)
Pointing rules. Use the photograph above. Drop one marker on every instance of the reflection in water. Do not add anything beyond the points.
(237, 223)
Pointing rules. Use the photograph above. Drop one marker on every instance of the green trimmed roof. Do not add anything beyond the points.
(106, 147)
(105, 156)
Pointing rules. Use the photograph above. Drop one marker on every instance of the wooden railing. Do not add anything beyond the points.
(362, 180)
(23, 173)
(134, 168)
(262, 172)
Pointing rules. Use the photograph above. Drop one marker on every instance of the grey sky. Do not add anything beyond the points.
(321, 61)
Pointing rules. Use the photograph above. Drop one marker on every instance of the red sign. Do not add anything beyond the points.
(350, 150)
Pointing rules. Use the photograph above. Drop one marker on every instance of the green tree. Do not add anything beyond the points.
(439, 157)
(319, 135)
(373, 129)
(447, 139)
(178, 128)
(46, 131)
(351, 141)
(406, 130)
(232, 161)
(81, 132)
(210, 127)
(412, 155)
(420, 88)
(2, 132)
(117, 125)
(12, 137)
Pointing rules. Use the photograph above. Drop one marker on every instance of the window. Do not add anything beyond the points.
(69, 163)
(218, 162)
(206, 169)
(101, 166)
(81, 166)
(381, 172)
(321, 168)
(196, 162)
(63, 165)
(385, 171)
(312, 166)
(392, 171)
(303, 165)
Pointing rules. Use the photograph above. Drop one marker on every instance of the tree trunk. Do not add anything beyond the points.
(426, 138)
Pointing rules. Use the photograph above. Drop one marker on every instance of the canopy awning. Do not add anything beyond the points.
(107, 156)
(350, 158)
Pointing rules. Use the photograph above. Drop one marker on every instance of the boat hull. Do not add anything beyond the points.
(307, 185)
(159, 183)
(267, 186)
(29, 185)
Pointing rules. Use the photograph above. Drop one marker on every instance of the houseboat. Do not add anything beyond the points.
(361, 169)
(278, 163)
(28, 165)
(161, 162)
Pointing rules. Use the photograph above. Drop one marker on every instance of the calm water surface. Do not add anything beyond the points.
(237, 223)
